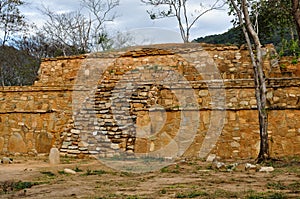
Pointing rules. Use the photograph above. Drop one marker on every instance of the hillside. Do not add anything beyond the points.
(232, 36)
(281, 40)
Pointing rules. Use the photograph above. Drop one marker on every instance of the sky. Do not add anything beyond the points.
(133, 18)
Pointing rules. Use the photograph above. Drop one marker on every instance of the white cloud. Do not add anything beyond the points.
(153, 35)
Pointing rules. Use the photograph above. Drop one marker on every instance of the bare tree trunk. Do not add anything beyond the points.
(259, 77)
(296, 15)
(261, 88)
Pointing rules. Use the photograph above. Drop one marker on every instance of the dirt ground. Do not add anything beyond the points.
(36, 178)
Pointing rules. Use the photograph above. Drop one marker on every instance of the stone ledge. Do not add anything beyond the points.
(36, 88)
(28, 112)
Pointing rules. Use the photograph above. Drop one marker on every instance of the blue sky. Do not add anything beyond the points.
(132, 17)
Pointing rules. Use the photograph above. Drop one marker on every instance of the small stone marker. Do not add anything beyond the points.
(54, 156)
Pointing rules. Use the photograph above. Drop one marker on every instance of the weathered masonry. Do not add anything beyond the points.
(182, 99)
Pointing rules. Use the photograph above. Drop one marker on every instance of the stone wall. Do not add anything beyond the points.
(31, 118)
(168, 100)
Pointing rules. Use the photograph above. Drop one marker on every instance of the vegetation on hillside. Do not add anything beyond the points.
(283, 41)
(275, 23)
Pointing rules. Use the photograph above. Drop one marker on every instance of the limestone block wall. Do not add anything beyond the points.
(164, 99)
(31, 118)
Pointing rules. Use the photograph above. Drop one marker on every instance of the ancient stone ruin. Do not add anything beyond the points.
(170, 100)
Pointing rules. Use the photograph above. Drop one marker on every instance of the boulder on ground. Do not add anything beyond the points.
(211, 158)
(266, 169)
(70, 171)
(6, 160)
(219, 165)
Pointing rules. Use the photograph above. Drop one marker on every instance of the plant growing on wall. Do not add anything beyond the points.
(240, 8)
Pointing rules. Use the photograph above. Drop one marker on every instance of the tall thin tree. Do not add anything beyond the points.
(101, 12)
(240, 8)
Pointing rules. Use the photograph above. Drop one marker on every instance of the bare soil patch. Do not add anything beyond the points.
(36, 178)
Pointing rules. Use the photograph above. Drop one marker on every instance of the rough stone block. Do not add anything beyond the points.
(17, 144)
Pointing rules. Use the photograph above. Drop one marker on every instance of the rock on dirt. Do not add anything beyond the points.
(218, 165)
(70, 171)
(6, 160)
(211, 158)
(266, 169)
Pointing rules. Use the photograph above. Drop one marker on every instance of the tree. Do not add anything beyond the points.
(276, 25)
(179, 10)
(100, 13)
(296, 15)
(76, 33)
(233, 36)
(11, 20)
(17, 67)
(282, 16)
(38, 45)
(274, 16)
(240, 8)
(69, 32)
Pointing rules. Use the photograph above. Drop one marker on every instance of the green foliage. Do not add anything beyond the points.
(163, 191)
(94, 172)
(276, 185)
(255, 195)
(164, 170)
(232, 36)
(48, 173)
(62, 172)
(285, 45)
(132, 197)
(170, 170)
(294, 61)
(77, 169)
(191, 194)
(275, 25)
(289, 47)
(275, 16)
(280, 186)
(23, 185)
(15, 186)
(127, 174)
(282, 66)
